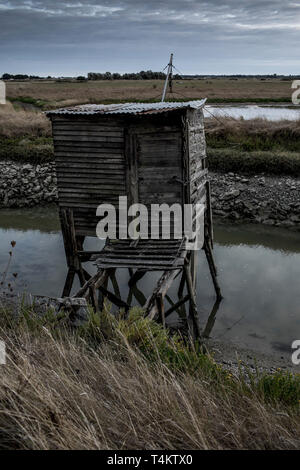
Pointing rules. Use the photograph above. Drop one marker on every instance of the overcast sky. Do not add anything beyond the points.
(57, 37)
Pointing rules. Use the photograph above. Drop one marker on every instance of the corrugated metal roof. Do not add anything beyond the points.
(128, 108)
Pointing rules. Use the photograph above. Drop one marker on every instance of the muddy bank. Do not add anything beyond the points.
(236, 358)
(261, 199)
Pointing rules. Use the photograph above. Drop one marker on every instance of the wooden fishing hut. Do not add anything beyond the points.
(153, 153)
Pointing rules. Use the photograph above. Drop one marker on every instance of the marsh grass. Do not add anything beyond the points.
(273, 163)
(34, 150)
(112, 385)
(253, 146)
(253, 134)
(16, 122)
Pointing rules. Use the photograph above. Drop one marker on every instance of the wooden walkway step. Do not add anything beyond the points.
(143, 254)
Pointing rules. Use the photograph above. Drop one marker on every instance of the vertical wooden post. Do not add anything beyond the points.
(193, 304)
(209, 221)
(93, 297)
(68, 282)
(194, 260)
(212, 268)
(161, 309)
(211, 320)
(101, 295)
(180, 295)
(208, 242)
(72, 244)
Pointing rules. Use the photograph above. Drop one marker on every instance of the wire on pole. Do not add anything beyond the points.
(168, 79)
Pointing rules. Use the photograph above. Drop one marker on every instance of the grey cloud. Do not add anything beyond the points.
(124, 35)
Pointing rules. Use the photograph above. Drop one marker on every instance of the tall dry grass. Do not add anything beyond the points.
(58, 391)
(20, 122)
(259, 126)
(253, 135)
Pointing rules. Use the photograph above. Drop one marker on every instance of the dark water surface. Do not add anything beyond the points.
(259, 272)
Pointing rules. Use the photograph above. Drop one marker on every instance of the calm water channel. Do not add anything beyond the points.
(272, 113)
(259, 271)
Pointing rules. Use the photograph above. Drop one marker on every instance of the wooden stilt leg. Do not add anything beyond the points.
(136, 277)
(180, 294)
(173, 304)
(95, 281)
(93, 297)
(193, 304)
(72, 244)
(211, 320)
(212, 268)
(114, 299)
(208, 218)
(101, 296)
(194, 268)
(161, 309)
(68, 283)
(86, 274)
(115, 283)
(177, 305)
(181, 285)
(162, 287)
(81, 276)
(133, 290)
(138, 294)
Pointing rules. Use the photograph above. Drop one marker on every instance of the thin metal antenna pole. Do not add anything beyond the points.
(170, 66)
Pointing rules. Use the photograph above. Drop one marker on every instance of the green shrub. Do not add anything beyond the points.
(281, 387)
(39, 103)
(32, 150)
(276, 163)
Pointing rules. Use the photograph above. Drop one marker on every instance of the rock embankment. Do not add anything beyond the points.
(25, 185)
(262, 199)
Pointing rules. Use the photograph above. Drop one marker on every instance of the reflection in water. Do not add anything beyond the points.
(211, 319)
(44, 219)
(257, 235)
(272, 113)
(259, 272)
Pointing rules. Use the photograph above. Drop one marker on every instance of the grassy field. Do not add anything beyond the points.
(130, 386)
(50, 94)
(233, 144)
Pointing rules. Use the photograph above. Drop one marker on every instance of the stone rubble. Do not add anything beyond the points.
(262, 199)
(26, 185)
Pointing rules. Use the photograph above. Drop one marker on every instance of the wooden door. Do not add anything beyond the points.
(155, 168)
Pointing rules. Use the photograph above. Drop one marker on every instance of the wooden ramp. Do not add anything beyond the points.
(155, 255)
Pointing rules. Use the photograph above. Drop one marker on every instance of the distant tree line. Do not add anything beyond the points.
(143, 75)
(21, 76)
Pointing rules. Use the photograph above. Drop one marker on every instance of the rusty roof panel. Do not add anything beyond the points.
(129, 108)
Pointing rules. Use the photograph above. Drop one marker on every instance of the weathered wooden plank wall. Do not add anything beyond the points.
(197, 155)
(90, 164)
(196, 144)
